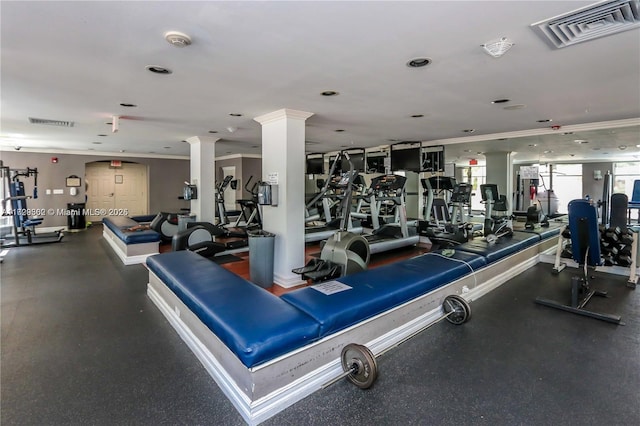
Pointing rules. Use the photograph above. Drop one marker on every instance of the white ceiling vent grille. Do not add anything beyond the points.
(590, 22)
(59, 123)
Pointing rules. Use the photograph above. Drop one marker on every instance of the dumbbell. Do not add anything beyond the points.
(613, 234)
(359, 365)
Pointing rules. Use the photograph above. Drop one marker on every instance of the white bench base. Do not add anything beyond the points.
(130, 254)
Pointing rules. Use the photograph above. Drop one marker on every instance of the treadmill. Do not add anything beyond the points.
(390, 236)
(336, 184)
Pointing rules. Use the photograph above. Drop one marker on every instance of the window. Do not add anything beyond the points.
(624, 174)
(476, 175)
(567, 184)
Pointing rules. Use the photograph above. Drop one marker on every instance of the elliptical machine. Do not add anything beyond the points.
(345, 252)
(495, 226)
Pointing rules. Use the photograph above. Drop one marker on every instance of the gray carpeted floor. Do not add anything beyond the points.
(82, 344)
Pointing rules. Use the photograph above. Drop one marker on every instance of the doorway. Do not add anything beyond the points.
(116, 191)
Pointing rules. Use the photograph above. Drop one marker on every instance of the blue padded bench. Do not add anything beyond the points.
(119, 225)
(377, 290)
(254, 324)
(131, 246)
(266, 352)
(502, 248)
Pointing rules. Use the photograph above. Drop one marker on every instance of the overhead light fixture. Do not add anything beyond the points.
(418, 62)
(514, 107)
(500, 101)
(545, 120)
(231, 129)
(127, 105)
(497, 48)
(469, 130)
(622, 147)
(417, 116)
(177, 39)
(235, 114)
(330, 93)
(158, 69)
(339, 130)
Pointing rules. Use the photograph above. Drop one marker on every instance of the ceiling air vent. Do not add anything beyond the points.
(59, 123)
(590, 22)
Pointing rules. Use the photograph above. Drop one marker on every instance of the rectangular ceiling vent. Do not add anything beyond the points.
(59, 123)
(590, 22)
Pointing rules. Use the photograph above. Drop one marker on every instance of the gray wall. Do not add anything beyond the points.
(166, 180)
(590, 186)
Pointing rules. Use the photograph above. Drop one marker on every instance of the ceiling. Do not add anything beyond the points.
(78, 61)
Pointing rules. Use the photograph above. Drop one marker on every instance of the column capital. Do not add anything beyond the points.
(203, 139)
(282, 113)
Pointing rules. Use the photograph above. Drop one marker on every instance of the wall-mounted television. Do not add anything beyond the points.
(375, 162)
(357, 159)
(338, 169)
(406, 156)
(315, 165)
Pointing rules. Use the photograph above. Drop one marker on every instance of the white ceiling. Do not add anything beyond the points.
(77, 61)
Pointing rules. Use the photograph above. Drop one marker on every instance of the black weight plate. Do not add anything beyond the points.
(359, 358)
(459, 306)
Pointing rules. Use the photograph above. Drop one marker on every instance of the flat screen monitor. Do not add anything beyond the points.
(315, 166)
(338, 169)
(357, 159)
(375, 163)
(407, 159)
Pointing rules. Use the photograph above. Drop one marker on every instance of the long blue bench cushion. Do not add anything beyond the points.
(119, 225)
(475, 261)
(254, 324)
(376, 290)
(144, 218)
(505, 246)
(552, 231)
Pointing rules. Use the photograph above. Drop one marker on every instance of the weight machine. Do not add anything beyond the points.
(22, 227)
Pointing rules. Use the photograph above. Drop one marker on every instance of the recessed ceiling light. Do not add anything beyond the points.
(514, 107)
(418, 62)
(97, 143)
(533, 144)
(177, 39)
(638, 146)
(572, 155)
(329, 93)
(548, 151)
(622, 147)
(235, 114)
(581, 141)
(497, 48)
(184, 141)
(166, 147)
(567, 133)
(417, 115)
(158, 69)
(503, 139)
(109, 123)
(103, 135)
(467, 150)
(479, 152)
(339, 130)
(122, 150)
(469, 130)
(124, 104)
(213, 131)
(544, 120)
(500, 101)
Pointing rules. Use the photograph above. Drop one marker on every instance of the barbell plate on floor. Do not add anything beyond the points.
(456, 309)
(360, 361)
